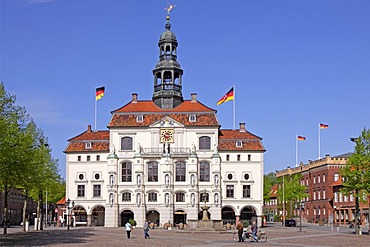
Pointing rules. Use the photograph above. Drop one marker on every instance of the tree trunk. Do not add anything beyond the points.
(38, 215)
(24, 213)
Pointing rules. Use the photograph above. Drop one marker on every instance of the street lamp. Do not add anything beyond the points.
(301, 206)
(69, 206)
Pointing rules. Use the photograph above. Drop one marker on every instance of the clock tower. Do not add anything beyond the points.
(167, 73)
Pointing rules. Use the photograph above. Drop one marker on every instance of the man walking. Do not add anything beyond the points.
(240, 227)
(146, 229)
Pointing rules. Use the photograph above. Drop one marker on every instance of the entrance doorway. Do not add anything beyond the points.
(125, 216)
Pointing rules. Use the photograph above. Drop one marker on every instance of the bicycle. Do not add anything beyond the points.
(247, 235)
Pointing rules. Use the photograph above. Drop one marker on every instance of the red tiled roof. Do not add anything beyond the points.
(237, 134)
(250, 142)
(81, 147)
(90, 135)
(149, 106)
(120, 120)
(99, 141)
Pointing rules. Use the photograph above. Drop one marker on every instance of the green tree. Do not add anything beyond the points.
(15, 140)
(356, 174)
(269, 181)
(25, 158)
(290, 191)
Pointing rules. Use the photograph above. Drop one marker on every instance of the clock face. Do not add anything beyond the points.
(166, 135)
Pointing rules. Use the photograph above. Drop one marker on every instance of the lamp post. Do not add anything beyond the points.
(301, 206)
(69, 206)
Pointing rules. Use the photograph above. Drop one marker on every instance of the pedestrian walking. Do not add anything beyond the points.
(240, 228)
(146, 229)
(128, 229)
(254, 229)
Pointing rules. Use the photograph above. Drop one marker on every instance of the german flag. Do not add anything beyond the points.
(324, 126)
(301, 138)
(99, 93)
(228, 96)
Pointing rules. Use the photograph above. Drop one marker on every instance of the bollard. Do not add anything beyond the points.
(27, 225)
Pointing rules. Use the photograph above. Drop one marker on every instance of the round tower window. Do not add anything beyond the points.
(97, 176)
(230, 176)
(81, 176)
(246, 176)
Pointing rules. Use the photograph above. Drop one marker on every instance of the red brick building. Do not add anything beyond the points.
(15, 207)
(325, 202)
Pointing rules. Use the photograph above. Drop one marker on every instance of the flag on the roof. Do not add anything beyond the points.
(301, 138)
(228, 96)
(99, 93)
(324, 126)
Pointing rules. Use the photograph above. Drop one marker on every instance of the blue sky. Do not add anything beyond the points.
(294, 63)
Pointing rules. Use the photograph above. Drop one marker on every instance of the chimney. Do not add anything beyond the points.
(242, 127)
(134, 98)
(193, 97)
(89, 128)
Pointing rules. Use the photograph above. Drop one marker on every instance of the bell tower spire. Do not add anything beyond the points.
(167, 73)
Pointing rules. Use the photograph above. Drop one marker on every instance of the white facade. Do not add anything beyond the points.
(164, 159)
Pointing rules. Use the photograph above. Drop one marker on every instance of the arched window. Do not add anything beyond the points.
(152, 197)
(336, 177)
(180, 197)
(180, 171)
(204, 171)
(126, 172)
(204, 197)
(204, 143)
(126, 143)
(152, 171)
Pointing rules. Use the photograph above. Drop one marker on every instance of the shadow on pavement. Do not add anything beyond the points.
(44, 238)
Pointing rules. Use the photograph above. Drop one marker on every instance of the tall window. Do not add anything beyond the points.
(97, 190)
(204, 197)
(204, 143)
(126, 172)
(246, 191)
(152, 171)
(126, 143)
(126, 197)
(180, 197)
(238, 157)
(227, 157)
(336, 177)
(230, 191)
(152, 197)
(81, 190)
(204, 171)
(180, 171)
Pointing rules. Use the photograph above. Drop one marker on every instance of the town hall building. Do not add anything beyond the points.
(164, 159)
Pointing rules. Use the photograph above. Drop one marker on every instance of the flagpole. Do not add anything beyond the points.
(319, 140)
(96, 109)
(283, 202)
(234, 107)
(296, 150)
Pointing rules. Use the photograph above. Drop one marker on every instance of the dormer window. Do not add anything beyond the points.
(239, 144)
(192, 118)
(88, 145)
(139, 118)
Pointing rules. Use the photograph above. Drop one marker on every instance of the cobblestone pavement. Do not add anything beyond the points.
(101, 236)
